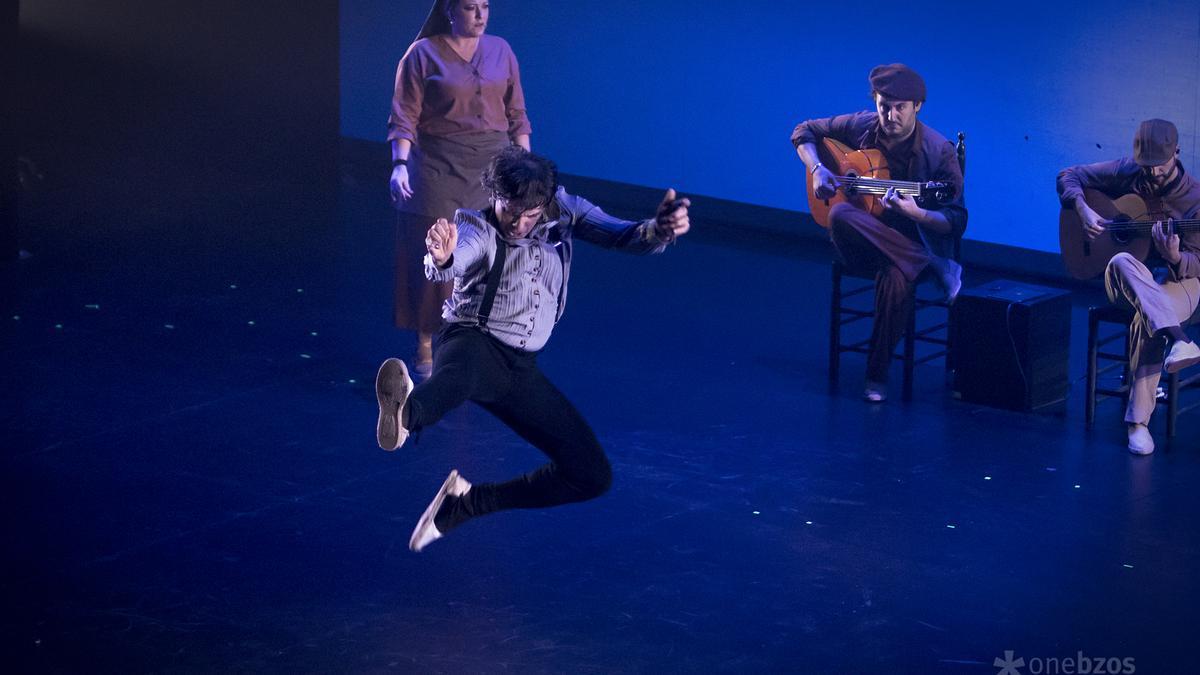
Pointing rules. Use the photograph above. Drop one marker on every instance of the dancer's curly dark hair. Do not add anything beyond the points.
(521, 178)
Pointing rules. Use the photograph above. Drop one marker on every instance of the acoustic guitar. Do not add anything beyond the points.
(863, 178)
(1128, 230)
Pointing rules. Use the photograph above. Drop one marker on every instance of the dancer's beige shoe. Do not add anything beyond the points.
(426, 531)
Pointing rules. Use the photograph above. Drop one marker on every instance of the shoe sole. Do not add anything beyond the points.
(392, 387)
(426, 520)
(1179, 365)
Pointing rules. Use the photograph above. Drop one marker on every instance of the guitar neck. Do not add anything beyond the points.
(1144, 226)
(878, 185)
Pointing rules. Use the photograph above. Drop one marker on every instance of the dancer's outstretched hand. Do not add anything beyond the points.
(671, 221)
(441, 241)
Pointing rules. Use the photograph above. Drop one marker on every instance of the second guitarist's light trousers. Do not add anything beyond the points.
(1131, 284)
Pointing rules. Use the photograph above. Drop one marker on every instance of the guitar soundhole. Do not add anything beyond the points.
(851, 189)
(1120, 236)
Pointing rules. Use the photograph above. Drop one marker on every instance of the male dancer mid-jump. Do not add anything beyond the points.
(510, 265)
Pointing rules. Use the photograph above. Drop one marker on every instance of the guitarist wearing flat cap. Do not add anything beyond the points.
(899, 211)
(1125, 217)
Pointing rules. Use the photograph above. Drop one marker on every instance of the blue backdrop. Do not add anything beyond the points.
(703, 96)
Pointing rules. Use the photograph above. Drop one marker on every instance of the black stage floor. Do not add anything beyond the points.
(193, 485)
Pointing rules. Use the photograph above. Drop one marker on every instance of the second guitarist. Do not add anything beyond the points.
(1155, 174)
(909, 237)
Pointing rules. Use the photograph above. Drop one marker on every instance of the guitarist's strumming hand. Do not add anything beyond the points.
(824, 184)
(1166, 241)
(1089, 220)
(441, 241)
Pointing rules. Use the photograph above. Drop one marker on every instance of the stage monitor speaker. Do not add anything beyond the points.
(1010, 346)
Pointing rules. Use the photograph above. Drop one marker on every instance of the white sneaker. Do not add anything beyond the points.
(426, 531)
(1140, 440)
(392, 387)
(1182, 355)
(875, 392)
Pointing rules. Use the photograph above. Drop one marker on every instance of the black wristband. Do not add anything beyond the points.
(398, 162)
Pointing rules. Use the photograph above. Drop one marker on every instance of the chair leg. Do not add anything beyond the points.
(1172, 403)
(1089, 398)
(950, 338)
(1126, 374)
(910, 345)
(835, 326)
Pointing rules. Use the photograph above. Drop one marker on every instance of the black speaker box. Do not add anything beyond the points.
(1010, 346)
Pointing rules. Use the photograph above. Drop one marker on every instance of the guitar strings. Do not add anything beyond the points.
(880, 189)
(1135, 225)
(877, 182)
(878, 186)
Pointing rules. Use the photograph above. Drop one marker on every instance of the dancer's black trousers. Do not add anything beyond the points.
(469, 365)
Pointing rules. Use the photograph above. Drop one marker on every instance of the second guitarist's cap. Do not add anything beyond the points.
(898, 81)
(1155, 142)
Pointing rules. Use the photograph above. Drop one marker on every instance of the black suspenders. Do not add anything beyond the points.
(493, 281)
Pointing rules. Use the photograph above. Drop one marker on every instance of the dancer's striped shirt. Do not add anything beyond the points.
(532, 291)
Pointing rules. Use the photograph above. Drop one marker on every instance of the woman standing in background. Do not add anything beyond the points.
(458, 101)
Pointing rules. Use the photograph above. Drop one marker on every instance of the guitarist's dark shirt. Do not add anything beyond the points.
(1180, 199)
(925, 156)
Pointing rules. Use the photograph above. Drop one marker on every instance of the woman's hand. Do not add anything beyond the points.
(400, 187)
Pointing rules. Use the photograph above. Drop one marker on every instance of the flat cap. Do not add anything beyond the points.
(898, 81)
(1155, 142)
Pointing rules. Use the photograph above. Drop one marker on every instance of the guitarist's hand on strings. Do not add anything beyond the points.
(1166, 241)
(824, 184)
(906, 205)
(1092, 223)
